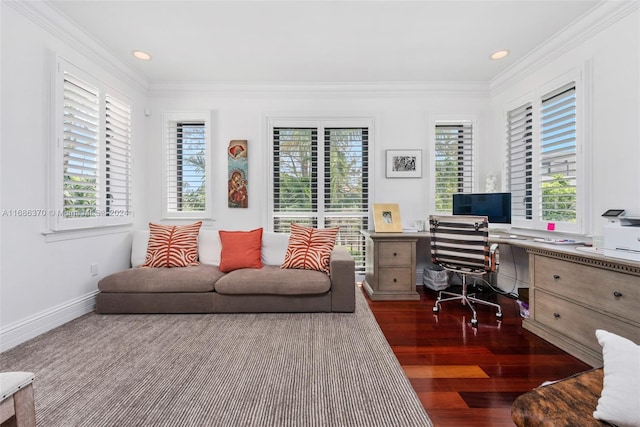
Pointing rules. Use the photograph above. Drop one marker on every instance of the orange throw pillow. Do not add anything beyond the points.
(240, 249)
(310, 248)
(172, 245)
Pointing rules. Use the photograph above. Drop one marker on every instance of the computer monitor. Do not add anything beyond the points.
(495, 206)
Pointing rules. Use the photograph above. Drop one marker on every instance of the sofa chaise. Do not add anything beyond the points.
(203, 288)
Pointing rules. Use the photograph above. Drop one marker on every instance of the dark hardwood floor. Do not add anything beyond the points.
(466, 376)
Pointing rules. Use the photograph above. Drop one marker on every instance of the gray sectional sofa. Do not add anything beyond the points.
(205, 289)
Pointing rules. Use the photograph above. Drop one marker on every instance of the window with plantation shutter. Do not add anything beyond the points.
(186, 159)
(543, 158)
(117, 157)
(295, 174)
(558, 161)
(91, 183)
(453, 162)
(346, 187)
(321, 179)
(520, 161)
(81, 130)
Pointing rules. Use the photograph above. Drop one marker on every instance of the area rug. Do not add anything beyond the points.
(300, 369)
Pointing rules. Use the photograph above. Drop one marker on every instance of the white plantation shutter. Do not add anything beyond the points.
(117, 157)
(295, 175)
(346, 182)
(346, 170)
(91, 162)
(520, 161)
(80, 152)
(322, 183)
(453, 162)
(558, 159)
(185, 171)
(543, 158)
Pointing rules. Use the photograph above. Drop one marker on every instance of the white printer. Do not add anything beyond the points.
(622, 235)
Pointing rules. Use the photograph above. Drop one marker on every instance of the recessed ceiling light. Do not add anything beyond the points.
(143, 56)
(499, 54)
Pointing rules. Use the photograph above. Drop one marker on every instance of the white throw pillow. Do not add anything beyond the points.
(274, 247)
(209, 247)
(619, 402)
(139, 247)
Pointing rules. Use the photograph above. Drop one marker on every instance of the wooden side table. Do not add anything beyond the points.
(390, 266)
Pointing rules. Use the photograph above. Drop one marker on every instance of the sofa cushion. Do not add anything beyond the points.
(197, 278)
(209, 247)
(172, 245)
(274, 247)
(240, 249)
(310, 248)
(272, 280)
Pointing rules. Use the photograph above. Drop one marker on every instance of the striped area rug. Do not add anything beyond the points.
(301, 369)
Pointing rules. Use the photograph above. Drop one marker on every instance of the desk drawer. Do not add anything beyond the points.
(591, 286)
(395, 279)
(395, 253)
(577, 322)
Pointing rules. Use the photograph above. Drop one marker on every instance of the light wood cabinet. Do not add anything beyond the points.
(572, 295)
(390, 266)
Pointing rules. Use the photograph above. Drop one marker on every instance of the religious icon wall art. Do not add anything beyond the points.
(238, 181)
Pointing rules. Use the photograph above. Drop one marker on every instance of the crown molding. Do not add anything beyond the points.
(390, 89)
(599, 18)
(51, 20)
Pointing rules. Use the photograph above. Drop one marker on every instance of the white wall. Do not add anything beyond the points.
(44, 281)
(610, 60)
(401, 122)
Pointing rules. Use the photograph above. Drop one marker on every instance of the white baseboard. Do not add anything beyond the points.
(23, 330)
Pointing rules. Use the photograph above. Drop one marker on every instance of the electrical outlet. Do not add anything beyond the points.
(94, 269)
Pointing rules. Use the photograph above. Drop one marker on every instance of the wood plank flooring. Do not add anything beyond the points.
(467, 376)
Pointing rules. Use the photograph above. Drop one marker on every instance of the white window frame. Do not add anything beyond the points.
(444, 119)
(193, 116)
(577, 76)
(55, 212)
(320, 123)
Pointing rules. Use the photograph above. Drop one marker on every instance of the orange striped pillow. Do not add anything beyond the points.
(172, 245)
(310, 248)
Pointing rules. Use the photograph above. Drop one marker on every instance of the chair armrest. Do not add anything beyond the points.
(492, 257)
(343, 280)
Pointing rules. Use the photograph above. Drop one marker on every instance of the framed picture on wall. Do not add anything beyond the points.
(404, 163)
(386, 218)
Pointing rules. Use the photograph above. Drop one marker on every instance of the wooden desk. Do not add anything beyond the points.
(390, 265)
(572, 293)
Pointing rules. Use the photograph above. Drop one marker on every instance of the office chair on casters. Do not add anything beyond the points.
(460, 243)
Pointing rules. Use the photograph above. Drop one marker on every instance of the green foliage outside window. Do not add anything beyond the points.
(558, 200)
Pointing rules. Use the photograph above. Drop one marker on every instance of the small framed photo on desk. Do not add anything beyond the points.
(386, 218)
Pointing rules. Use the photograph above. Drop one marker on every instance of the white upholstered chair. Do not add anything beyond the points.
(17, 406)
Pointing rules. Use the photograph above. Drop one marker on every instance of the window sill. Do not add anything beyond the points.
(84, 233)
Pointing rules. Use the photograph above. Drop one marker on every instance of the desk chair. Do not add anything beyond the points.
(460, 244)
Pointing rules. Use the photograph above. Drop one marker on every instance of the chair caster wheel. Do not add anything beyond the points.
(499, 315)
(435, 309)
(474, 322)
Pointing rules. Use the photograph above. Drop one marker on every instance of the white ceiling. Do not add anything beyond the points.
(308, 41)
